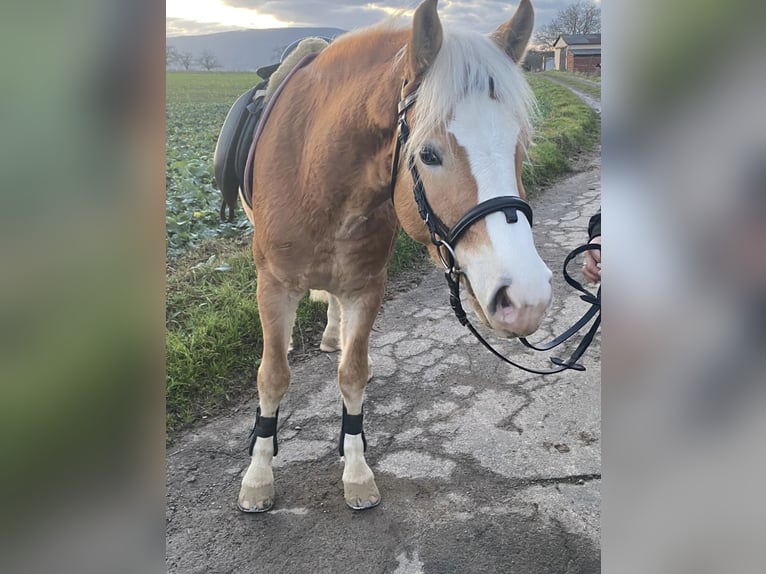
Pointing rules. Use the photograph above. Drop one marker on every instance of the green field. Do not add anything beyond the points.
(213, 336)
(196, 106)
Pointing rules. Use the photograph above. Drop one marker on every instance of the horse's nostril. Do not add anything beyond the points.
(502, 299)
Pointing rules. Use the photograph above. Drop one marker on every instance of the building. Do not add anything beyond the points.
(538, 61)
(578, 53)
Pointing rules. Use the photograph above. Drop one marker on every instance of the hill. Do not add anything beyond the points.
(246, 50)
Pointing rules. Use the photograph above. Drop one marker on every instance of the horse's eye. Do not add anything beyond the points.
(429, 157)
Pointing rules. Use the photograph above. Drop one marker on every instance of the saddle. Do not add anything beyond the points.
(234, 142)
(239, 128)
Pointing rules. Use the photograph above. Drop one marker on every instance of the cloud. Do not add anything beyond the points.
(339, 14)
(182, 27)
(481, 15)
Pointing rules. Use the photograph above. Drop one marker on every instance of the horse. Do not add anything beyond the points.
(329, 197)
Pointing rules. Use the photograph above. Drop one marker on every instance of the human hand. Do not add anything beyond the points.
(591, 265)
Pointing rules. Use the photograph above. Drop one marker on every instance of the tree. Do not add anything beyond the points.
(185, 59)
(580, 17)
(171, 56)
(208, 60)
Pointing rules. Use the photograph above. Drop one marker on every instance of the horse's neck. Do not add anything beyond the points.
(358, 105)
(367, 72)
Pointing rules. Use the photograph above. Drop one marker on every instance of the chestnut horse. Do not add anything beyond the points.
(326, 216)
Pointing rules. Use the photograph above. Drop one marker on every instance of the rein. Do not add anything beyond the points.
(445, 239)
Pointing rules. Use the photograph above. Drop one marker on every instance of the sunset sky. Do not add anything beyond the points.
(187, 17)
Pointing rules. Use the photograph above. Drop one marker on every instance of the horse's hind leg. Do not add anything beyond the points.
(359, 311)
(276, 308)
(331, 336)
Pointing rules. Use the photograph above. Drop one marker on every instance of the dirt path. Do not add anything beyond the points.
(481, 468)
(584, 80)
(589, 100)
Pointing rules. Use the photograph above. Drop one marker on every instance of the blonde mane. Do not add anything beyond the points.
(463, 67)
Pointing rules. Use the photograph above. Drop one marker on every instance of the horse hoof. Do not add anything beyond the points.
(329, 345)
(256, 497)
(264, 506)
(361, 496)
(360, 504)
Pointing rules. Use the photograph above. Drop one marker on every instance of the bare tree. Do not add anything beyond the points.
(580, 17)
(185, 59)
(208, 60)
(171, 56)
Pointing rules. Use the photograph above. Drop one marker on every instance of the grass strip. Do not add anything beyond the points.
(564, 127)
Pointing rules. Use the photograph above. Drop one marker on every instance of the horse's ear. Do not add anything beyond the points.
(426, 39)
(513, 36)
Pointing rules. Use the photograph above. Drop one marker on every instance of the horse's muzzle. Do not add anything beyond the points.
(513, 318)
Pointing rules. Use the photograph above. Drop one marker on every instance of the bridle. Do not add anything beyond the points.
(445, 239)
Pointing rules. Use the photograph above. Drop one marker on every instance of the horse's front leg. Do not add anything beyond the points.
(357, 317)
(276, 308)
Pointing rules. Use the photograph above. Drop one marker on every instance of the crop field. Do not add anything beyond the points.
(196, 106)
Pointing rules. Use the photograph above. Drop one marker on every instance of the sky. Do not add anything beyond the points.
(189, 17)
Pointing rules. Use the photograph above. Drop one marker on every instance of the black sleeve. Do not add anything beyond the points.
(594, 226)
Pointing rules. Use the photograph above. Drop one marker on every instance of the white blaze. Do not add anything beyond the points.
(489, 134)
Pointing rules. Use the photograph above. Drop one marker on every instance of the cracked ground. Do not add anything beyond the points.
(481, 467)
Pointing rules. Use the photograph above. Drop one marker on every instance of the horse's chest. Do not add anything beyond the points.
(335, 256)
(361, 243)
(354, 227)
